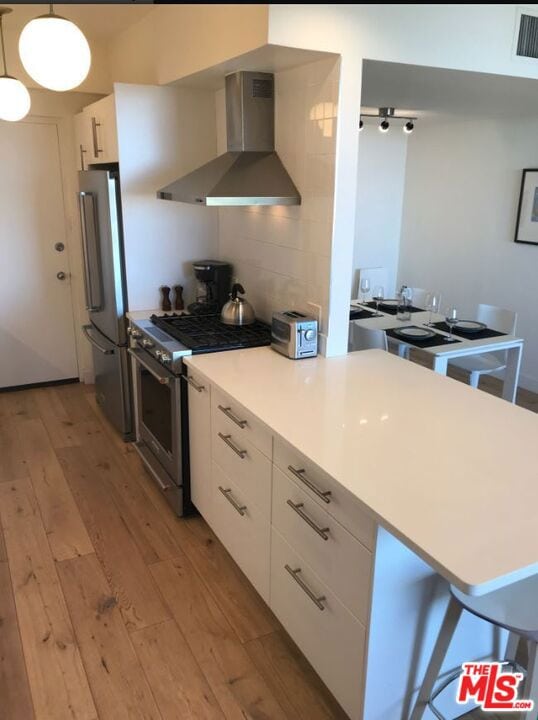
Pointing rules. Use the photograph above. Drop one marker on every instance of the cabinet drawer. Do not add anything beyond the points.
(332, 639)
(243, 463)
(243, 531)
(242, 423)
(319, 486)
(200, 442)
(340, 560)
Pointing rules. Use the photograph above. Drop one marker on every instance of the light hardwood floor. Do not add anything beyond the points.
(110, 607)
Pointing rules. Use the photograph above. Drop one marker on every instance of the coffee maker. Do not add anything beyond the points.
(214, 279)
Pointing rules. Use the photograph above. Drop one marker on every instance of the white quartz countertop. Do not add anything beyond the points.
(451, 471)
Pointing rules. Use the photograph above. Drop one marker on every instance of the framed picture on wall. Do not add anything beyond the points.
(527, 211)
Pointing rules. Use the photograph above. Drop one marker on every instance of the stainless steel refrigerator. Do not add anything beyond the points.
(106, 294)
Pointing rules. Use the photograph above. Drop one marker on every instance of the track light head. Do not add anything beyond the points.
(384, 126)
(361, 124)
(409, 127)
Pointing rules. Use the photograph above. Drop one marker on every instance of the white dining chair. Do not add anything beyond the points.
(362, 338)
(419, 297)
(476, 365)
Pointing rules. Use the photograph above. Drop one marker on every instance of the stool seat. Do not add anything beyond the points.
(514, 607)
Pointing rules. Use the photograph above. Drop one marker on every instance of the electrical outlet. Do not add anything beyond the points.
(315, 310)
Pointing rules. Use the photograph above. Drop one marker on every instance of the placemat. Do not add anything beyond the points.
(356, 313)
(392, 309)
(421, 343)
(481, 335)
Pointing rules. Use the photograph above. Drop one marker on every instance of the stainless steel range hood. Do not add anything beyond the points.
(250, 173)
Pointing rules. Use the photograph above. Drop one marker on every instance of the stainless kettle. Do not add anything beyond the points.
(237, 310)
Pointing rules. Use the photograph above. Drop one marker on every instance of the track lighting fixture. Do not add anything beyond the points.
(385, 114)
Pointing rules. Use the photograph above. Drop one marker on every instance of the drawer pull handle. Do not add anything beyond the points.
(322, 532)
(318, 601)
(301, 475)
(237, 451)
(227, 494)
(195, 385)
(228, 412)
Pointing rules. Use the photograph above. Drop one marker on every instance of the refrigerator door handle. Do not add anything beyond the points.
(106, 351)
(90, 247)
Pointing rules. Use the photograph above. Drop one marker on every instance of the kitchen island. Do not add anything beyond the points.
(445, 474)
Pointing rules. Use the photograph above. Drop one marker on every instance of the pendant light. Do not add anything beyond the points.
(54, 52)
(14, 97)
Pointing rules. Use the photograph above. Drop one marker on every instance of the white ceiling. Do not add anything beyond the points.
(425, 91)
(100, 21)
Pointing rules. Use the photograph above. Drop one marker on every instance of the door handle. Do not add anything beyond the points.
(61, 275)
(86, 330)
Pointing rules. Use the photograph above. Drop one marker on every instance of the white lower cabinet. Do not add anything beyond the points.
(334, 554)
(243, 529)
(200, 443)
(332, 639)
(294, 532)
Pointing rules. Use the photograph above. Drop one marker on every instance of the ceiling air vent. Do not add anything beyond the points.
(527, 39)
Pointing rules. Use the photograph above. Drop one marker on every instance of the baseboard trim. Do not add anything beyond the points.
(30, 386)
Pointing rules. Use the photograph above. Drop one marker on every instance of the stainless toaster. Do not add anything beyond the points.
(294, 335)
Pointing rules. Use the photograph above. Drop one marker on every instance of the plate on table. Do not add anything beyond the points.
(470, 326)
(390, 302)
(414, 333)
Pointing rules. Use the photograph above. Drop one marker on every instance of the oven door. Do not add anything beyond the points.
(158, 394)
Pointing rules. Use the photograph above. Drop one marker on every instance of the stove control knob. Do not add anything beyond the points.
(158, 354)
(134, 333)
(165, 357)
(309, 335)
(147, 343)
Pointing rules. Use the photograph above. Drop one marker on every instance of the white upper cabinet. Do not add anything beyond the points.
(83, 141)
(96, 134)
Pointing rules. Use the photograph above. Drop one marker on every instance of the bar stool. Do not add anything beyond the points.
(514, 608)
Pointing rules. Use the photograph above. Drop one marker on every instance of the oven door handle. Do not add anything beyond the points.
(138, 356)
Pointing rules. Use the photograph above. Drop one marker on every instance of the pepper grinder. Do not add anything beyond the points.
(178, 304)
(165, 301)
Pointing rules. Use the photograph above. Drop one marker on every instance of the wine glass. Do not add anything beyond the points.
(365, 288)
(451, 318)
(379, 295)
(433, 303)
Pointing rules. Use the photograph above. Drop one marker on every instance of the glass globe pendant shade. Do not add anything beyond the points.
(54, 52)
(14, 99)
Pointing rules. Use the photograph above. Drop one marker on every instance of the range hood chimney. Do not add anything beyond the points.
(250, 173)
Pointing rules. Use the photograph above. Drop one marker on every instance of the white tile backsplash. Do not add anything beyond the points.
(281, 254)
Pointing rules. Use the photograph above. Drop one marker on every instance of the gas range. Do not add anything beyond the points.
(158, 346)
(169, 338)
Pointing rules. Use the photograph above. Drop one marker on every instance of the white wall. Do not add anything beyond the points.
(380, 192)
(282, 254)
(163, 133)
(460, 205)
(466, 37)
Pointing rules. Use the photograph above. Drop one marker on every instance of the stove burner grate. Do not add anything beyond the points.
(206, 333)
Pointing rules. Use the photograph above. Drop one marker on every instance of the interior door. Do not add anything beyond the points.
(37, 338)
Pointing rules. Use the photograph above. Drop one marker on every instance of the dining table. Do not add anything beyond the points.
(462, 344)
